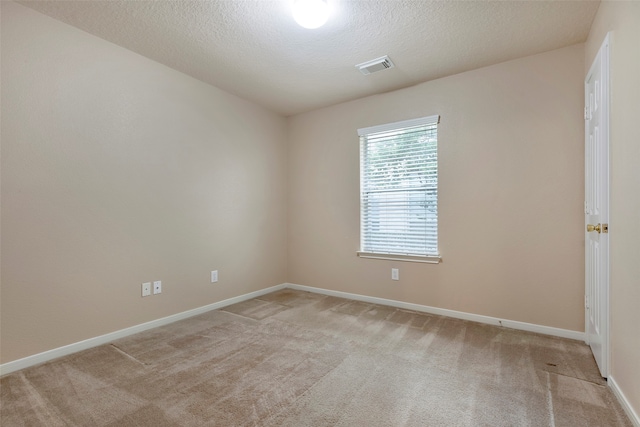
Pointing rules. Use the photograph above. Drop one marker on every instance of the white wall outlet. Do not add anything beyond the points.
(146, 289)
(395, 274)
(214, 276)
(157, 287)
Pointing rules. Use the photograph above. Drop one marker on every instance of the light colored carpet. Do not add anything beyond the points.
(299, 359)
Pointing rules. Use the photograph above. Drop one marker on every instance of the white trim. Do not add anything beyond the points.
(512, 324)
(430, 120)
(46, 356)
(633, 416)
(426, 259)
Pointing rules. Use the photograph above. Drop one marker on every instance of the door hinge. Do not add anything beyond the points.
(586, 302)
(585, 113)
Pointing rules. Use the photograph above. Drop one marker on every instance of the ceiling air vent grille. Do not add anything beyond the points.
(375, 65)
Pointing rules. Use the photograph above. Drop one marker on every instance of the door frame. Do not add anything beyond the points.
(603, 56)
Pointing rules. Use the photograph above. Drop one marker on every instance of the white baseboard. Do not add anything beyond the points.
(523, 326)
(633, 416)
(46, 356)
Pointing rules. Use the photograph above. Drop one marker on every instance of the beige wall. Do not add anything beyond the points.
(510, 200)
(116, 171)
(623, 19)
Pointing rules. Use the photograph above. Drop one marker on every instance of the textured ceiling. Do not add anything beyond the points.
(254, 49)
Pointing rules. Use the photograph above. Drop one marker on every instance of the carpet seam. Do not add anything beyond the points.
(124, 353)
(572, 377)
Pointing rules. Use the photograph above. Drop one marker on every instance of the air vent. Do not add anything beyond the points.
(375, 65)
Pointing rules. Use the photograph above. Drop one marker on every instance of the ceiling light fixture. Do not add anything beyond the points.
(310, 13)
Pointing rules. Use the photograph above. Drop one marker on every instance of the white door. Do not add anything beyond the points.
(597, 207)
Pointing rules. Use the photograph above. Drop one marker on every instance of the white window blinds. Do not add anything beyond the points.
(399, 188)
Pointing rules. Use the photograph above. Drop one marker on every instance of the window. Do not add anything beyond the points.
(399, 190)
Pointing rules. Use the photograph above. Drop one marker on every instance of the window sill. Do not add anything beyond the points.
(431, 259)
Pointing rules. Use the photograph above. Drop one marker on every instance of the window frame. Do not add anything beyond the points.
(363, 133)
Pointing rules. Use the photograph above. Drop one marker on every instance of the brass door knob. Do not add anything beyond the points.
(591, 227)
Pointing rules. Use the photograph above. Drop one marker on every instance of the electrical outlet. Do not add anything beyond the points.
(214, 276)
(395, 274)
(146, 289)
(157, 287)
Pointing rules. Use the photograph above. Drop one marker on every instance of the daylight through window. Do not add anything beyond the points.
(399, 190)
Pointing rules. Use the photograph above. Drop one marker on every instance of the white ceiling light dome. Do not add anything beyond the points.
(310, 13)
